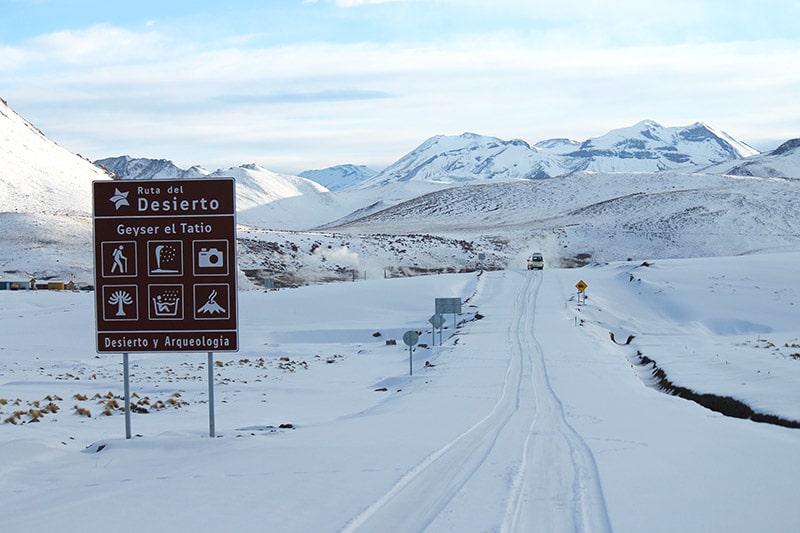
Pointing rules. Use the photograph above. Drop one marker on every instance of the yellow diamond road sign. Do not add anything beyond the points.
(581, 286)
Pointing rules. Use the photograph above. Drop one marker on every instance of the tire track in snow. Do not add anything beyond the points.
(557, 487)
(544, 493)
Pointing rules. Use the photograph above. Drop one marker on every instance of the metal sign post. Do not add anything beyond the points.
(581, 286)
(410, 337)
(437, 321)
(126, 376)
(211, 394)
(165, 269)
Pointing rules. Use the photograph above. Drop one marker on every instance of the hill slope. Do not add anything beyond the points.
(45, 204)
(606, 217)
(37, 175)
(783, 162)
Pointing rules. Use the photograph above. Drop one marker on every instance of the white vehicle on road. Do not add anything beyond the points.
(535, 261)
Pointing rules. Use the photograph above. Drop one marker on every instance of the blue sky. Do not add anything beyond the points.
(294, 85)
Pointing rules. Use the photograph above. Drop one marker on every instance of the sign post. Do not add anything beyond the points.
(437, 321)
(410, 338)
(581, 286)
(211, 431)
(165, 269)
(127, 386)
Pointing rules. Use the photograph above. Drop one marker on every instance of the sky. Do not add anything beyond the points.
(294, 85)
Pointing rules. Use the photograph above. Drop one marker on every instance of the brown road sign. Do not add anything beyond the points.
(581, 286)
(165, 265)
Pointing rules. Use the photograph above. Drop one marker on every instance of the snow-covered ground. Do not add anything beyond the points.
(528, 418)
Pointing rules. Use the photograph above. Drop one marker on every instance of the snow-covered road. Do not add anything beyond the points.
(523, 438)
(529, 418)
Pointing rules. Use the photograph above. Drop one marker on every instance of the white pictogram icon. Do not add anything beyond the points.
(166, 304)
(120, 261)
(211, 306)
(210, 258)
(166, 258)
(119, 199)
(120, 298)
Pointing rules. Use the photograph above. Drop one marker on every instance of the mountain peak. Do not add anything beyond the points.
(140, 168)
(788, 146)
(648, 146)
(443, 161)
(340, 177)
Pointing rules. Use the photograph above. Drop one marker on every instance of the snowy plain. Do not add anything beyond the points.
(527, 418)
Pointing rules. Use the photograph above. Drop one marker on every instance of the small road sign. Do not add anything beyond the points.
(410, 337)
(581, 286)
(448, 305)
(437, 320)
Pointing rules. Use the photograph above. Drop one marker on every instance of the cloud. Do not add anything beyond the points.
(97, 45)
(337, 95)
(221, 100)
(350, 3)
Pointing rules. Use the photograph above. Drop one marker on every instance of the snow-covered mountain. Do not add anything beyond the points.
(340, 177)
(126, 167)
(447, 160)
(279, 201)
(558, 145)
(263, 198)
(334, 178)
(37, 175)
(584, 217)
(45, 203)
(650, 147)
(783, 162)
(453, 204)
(444, 161)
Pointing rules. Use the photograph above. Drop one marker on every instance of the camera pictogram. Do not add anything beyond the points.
(210, 257)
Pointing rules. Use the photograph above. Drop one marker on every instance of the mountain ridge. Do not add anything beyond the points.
(141, 168)
(339, 177)
(468, 202)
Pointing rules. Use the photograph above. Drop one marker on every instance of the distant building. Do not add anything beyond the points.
(51, 285)
(16, 284)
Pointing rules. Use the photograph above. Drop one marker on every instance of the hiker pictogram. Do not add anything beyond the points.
(118, 259)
